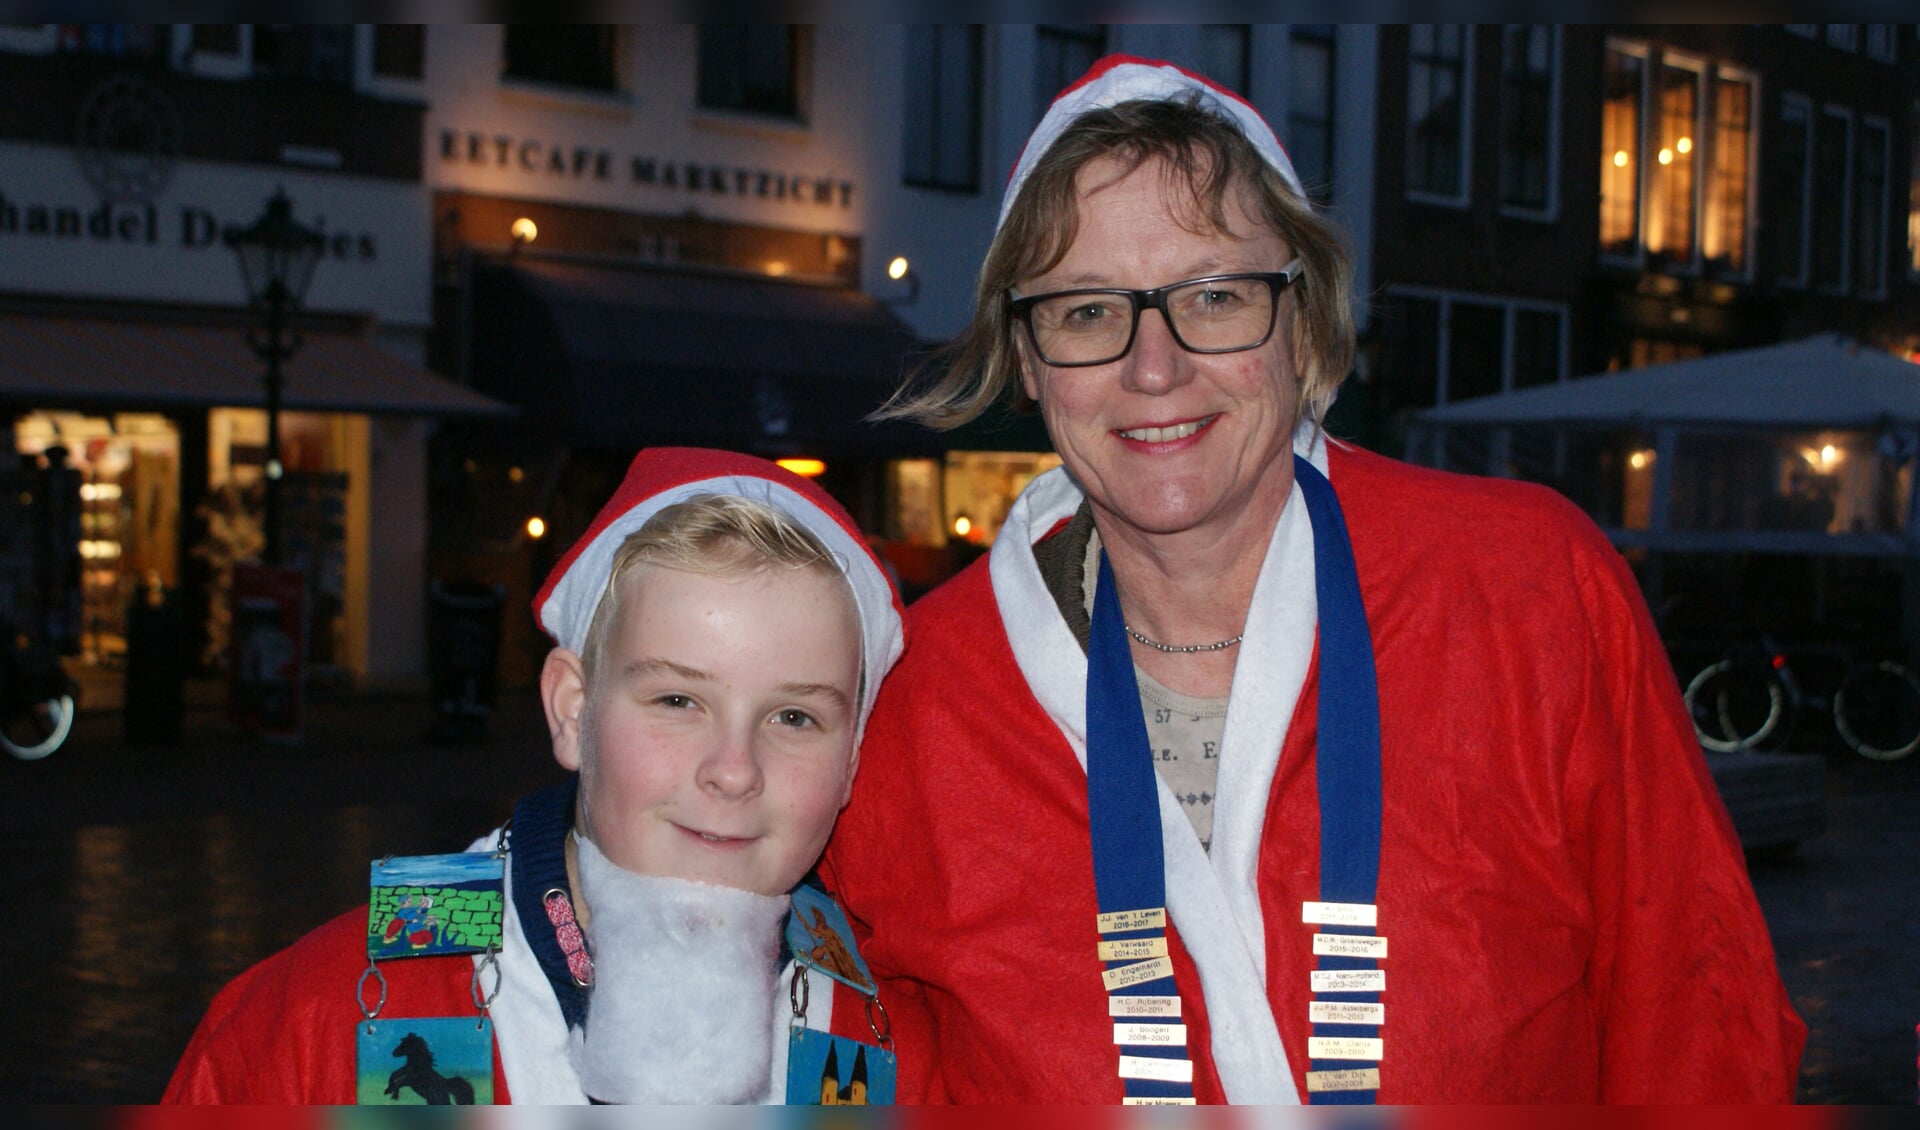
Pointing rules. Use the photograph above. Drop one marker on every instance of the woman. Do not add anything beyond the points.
(1384, 706)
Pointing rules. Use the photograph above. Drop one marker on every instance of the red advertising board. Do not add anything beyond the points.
(268, 690)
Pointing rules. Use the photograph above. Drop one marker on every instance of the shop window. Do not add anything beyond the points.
(1792, 219)
(1438, 74)
(579, 56)
(1870, 208)
(1833, 197)
(1728, 191)
(312, 52)
(1223, 55)
(750, 69)
(979, 488)
(1671, 182)
(1621, 114)
(1061, 54)
(1529, 63)
(943, 106)
(399, 50)
(1310, 107)
(129, 520)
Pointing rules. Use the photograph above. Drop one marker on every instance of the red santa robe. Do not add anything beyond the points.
(1566, 904)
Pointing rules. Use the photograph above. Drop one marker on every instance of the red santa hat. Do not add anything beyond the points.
(662, 476)
(1128, 78)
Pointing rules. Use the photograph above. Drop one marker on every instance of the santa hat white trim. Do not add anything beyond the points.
(1126, 78)
(566, 603)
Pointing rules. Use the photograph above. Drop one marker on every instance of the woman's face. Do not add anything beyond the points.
(1166, 441)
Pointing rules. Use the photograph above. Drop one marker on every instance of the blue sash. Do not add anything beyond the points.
(1123, 793)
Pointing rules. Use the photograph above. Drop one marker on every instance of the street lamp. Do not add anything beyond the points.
(277, 257)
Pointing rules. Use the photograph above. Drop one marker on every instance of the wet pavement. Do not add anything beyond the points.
(140, 880)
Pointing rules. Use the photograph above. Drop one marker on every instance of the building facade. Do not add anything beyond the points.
(127, 153)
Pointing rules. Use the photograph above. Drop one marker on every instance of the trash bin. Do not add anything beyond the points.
(156, 666)
(463, 641)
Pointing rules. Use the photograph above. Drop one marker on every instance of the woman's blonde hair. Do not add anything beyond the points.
(712, 535)
(1207, 154)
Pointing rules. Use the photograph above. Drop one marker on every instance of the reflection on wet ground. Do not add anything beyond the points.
(140, 881)
(1844, 912)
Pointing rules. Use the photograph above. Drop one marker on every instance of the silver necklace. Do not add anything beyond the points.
(1188, 649)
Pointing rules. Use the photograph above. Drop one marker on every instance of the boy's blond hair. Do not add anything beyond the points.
(712, 535)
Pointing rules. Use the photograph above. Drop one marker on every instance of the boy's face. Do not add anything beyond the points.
(718, 740)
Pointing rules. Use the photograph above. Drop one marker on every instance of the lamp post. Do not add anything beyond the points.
(277, 257)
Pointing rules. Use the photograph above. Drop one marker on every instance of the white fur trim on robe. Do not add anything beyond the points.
(532, 1034)
(1213, 898)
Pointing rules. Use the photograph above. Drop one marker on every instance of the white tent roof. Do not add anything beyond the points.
(1817, 382)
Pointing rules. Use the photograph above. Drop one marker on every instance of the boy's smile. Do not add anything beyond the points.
(718, 740)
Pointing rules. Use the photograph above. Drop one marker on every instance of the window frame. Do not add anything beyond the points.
(1510, 308)
(1550, 212)
(1327, 40)
(1881, 42)
(799, 47)
(1637, 257)
(617, 92)
(1875, 288)
(1241, 82)
(1804, 105)
(1464, 197)
(1749, 233)
(1845, 273)
(976, 114)
(1701, 70)
(1913, 192)
(1101, 39)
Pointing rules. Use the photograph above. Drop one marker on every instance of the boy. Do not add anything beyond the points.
(722, 630)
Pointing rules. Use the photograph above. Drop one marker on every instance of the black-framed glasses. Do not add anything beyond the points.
(1216, 314)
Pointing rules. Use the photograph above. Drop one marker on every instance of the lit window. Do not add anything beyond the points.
(1729, 192)
(1913, 191)
(1620, 153)
(1671, 181)
(1437, 83)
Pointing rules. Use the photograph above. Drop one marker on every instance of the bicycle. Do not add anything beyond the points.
(36, 698)
(1751, 699)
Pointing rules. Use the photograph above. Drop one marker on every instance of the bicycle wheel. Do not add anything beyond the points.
(40, 730)
(1735, 707)
(1878, 711)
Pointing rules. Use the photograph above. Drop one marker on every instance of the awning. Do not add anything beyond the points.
(1822, 381)
(615, 357)
(77, 362)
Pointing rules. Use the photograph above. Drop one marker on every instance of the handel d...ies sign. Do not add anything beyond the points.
(187, 226)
